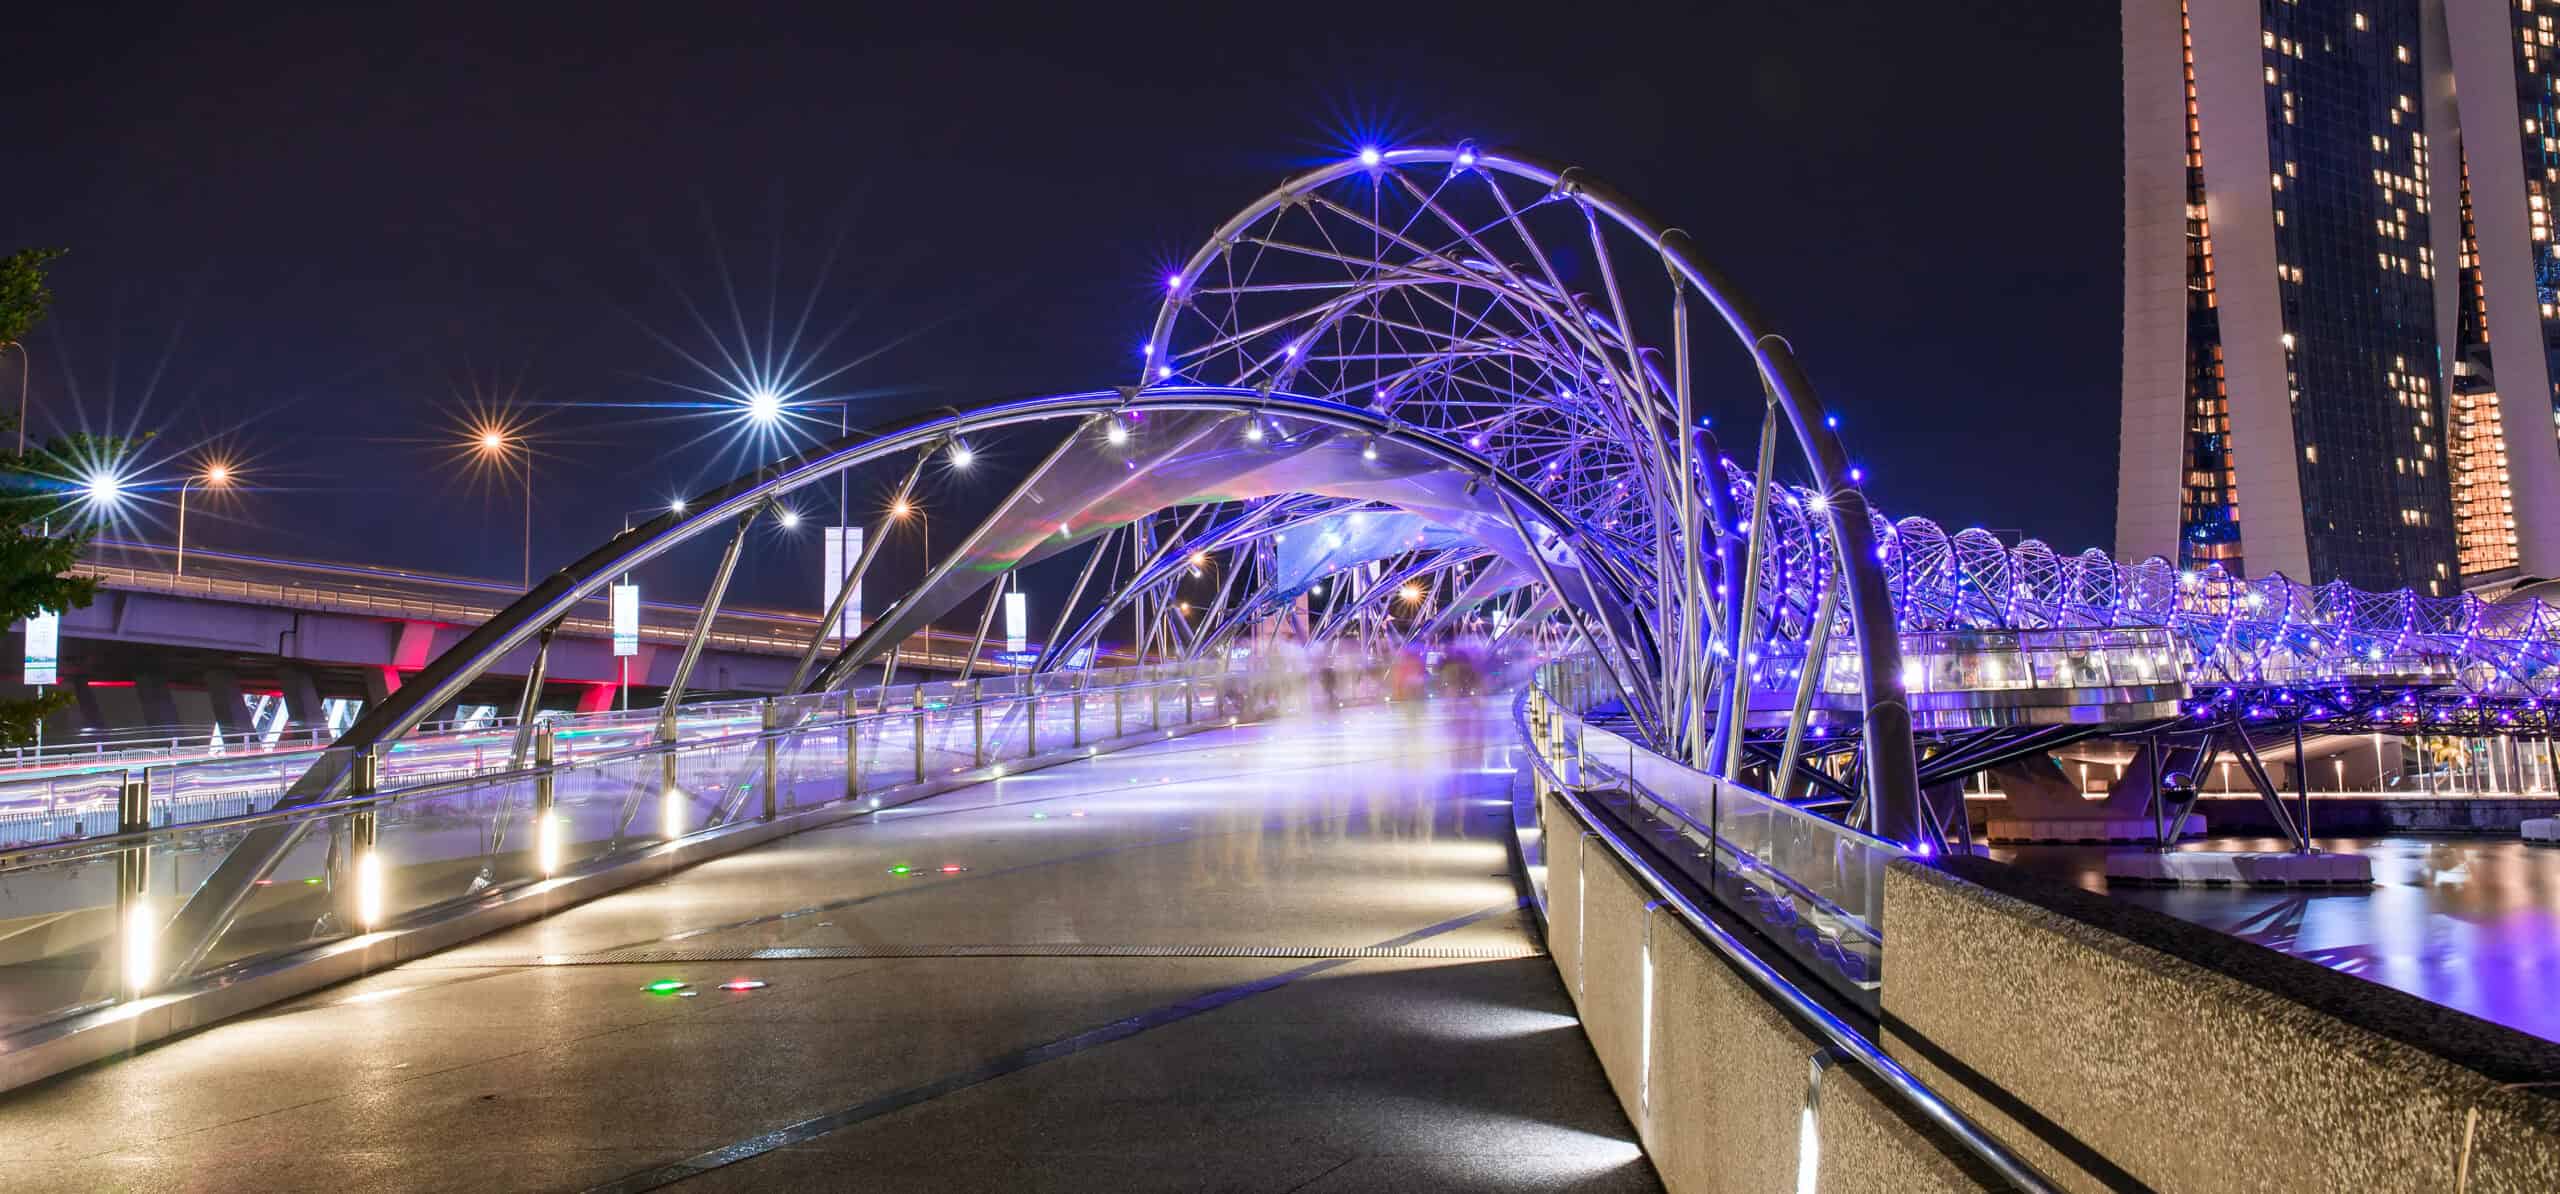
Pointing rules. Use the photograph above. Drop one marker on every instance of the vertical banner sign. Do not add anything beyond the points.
(1017, 621)
(844, 549)
(44, 646)
(626, 619)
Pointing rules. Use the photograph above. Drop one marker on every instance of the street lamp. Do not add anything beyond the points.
(216, 475)
(900, 511)
(103, 489)
(767, 409)
(500, 446)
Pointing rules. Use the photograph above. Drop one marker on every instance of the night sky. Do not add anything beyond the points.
(313, 238)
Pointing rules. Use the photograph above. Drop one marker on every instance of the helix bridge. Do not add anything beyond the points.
(1426, 393)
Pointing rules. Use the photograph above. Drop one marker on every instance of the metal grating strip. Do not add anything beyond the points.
(1064, 949)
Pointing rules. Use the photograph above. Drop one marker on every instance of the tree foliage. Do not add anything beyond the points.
(23, 296)
(39, 540)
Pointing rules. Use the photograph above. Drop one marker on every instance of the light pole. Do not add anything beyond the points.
(216, 475)
(22, 399)
(499, 446)
(900, 511)
(770, 410)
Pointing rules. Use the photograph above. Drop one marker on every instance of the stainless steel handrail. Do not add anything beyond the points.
(30, 854)
(1908, 1088)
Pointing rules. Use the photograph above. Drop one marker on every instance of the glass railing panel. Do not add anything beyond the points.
(887, 751)
(809, 764)
(58, 941)
(951, 741)
(1007, 726)
(1812, 885)
(453, 842)
(1104, 713)
(204, 791)
(710, 780)
(303, 900)
(59, 808)
(1057, 722)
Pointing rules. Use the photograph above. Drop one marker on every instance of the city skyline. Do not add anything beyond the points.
(2309, 386)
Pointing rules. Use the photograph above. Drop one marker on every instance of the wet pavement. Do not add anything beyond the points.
(1257, 959)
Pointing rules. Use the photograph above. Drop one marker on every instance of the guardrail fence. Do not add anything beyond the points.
(434, 822)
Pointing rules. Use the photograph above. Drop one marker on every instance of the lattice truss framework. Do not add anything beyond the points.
(1544, 325)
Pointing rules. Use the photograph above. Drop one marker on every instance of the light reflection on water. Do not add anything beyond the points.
(2472, 923)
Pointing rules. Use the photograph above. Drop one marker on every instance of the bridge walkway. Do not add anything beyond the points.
(1144, 977)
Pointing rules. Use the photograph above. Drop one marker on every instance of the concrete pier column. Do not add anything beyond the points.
(229, 711)
(159, 709)
(302, 698)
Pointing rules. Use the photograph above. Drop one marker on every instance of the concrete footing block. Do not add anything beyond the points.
(2084, 830)
(2542, 830)
(2216, 868)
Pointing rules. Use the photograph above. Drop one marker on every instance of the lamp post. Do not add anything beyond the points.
(500, 446)
(22, 398)
(902, 510)
(770, 409)
(216, 475)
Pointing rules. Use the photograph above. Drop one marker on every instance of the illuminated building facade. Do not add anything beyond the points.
(2317, 264)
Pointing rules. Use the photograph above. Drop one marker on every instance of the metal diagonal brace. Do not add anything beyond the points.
(852, 582)
(702, 621)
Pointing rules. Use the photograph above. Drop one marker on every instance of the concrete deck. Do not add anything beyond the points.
(1176, 1015)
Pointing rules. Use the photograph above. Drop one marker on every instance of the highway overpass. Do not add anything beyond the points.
(164, 652)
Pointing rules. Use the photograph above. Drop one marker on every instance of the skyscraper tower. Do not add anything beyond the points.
(2315, 269)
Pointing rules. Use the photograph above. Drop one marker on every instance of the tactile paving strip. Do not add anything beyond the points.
(1065, 949)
